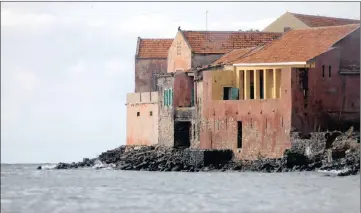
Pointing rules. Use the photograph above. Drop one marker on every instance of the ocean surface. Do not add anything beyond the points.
(25, 189)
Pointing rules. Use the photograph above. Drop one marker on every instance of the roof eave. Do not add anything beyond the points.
(295, 64)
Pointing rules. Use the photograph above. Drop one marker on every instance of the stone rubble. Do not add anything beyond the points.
(324, 151)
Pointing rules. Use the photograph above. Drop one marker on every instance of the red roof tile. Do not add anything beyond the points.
(322, 21)
(235, 54)
(154, 48)
(300, 45)
(207, 42)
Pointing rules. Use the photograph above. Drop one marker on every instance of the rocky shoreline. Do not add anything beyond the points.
(319, 151)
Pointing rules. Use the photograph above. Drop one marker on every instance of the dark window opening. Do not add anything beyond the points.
(251, 92)
(251, 123)
(282, 121)
(239, 135)
(329, 71)
(138, 114)
(323, 70)
(182, 134)
(261, 91)
(285, 29)
(230, 93)
(151, 113)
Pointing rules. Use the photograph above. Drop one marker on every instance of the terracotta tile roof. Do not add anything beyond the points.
(153, 48)
(322, 21)
(300, 45)
(206, 42)
(235, 54)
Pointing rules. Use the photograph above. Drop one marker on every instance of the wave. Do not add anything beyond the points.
(101, 165)
(48, 167)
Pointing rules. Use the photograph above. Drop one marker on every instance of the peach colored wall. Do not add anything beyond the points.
(180, 61)
(142, 129)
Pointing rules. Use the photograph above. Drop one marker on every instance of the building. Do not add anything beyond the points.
(305, 81)
(142, 106)
(176, 89)
(150, 60)
(301, 21)
(191, 49)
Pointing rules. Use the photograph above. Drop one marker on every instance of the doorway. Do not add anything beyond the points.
(182, 130)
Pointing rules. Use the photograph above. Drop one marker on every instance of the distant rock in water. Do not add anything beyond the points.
(331, 151)
(39, 168)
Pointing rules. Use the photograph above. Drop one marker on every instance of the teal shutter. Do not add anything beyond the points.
(171, 97)
(234, 94)
(166, 97)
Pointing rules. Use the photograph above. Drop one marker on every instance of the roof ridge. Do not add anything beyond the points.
(155, 38)
(324, 16)
(221, 31)
(323, 27)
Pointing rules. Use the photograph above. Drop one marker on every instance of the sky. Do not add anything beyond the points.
(66, 67)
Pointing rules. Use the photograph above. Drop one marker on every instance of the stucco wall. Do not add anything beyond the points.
(266, 122)
(286, 20)
(145, 70)
(179, 55)
(199, 60)
(333, 102)
(166, 118)
(183, 85)
(142, 129)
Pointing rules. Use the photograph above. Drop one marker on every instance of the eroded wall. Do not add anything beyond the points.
(142, 118)
(332, 100)
(166, 113)
(183, 87)
(145, 73)
(266, 123)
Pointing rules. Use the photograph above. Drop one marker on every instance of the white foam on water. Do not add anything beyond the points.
(101, 165)
(48, 167)
(332, 171)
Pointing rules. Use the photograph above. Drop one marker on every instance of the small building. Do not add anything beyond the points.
(142, 118)
(307, 80)
(150, 60)
(301, 21)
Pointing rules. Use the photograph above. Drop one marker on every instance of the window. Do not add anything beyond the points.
(150, 113)
(230, 93)
(168, 97)
(239, 135)
(138, 114)
(323, 70)
(329, 71)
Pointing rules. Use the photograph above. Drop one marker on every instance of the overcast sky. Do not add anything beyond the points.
(66, 67)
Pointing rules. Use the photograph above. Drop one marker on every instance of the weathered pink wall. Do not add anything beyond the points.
(182, 87)
(142, 129)
(266, 123)
(333, 102)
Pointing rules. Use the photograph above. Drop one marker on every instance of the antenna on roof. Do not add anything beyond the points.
(206, 20)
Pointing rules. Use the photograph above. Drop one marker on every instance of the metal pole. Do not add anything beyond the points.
(206, 20)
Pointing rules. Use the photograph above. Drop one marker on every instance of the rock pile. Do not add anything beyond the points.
(317, 151)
